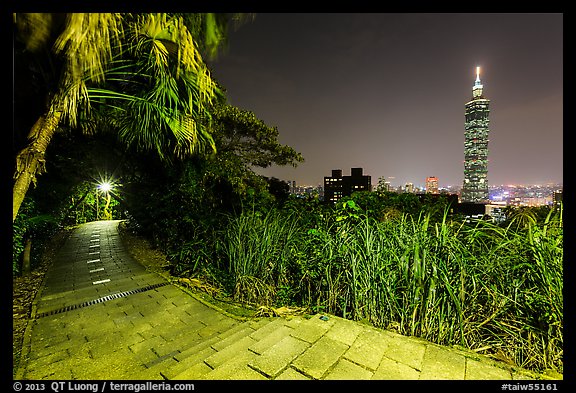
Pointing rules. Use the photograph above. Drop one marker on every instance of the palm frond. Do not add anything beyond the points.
(87, 41)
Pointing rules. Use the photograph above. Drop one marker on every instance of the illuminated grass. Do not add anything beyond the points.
(496, 290)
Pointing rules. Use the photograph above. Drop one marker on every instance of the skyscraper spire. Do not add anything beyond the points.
(477, 88)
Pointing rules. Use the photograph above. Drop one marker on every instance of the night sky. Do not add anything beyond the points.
(386, 92)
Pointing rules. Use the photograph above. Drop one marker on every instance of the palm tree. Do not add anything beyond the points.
(140, 75)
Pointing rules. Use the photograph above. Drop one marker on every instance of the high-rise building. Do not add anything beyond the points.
(333, 186)
(337, 186)
(557, 197)
(432, 185)
(475, 186)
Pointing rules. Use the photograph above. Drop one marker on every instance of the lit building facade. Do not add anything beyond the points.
(475, 186)
(557, 197)
(432, 185)
(337, 186)
(333, 186)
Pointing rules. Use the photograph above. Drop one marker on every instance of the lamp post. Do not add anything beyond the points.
(106, 187)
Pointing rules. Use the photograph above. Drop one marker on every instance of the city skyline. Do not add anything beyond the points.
(386, 92)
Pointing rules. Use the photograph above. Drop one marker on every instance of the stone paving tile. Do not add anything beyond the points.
(279, 356)
(102, 344)
(191, 311)
(270, 325)
(346, 370)
(220, 322)
(293, 322)
(55, 370)
(164, 361)
(368, 348)
(40, 362)
(261, 322)
(345, 331)
(392, 370)
(43, 348)
(193, 361)
(441, 363)
(222, 356)
(79, 366)
(143, 350)
(166, 348)
(405, 351)
(291, 374)
(183, 333)
(312, 329)
(232, 336)
(236, 367)
(146, 373)
(320, 357)
(142, 328)
(119, 364)
(171, 328)
(271, 339)
(192, 351)
(195, 371)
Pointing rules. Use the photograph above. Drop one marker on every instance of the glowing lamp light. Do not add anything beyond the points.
(105, 186)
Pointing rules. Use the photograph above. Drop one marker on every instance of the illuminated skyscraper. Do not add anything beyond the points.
(475, 187)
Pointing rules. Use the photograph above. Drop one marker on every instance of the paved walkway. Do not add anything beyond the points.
(102, 315)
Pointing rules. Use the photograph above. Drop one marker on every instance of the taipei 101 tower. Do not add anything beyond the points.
(475, 187)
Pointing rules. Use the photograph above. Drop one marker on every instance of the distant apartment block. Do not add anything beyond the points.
(557, 197)
(338, 186)
(432, 185)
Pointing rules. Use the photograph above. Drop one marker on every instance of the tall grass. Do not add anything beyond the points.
(407, 276)
(492, 289)
(258, 248)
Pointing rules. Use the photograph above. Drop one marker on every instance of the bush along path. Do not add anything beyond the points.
(103, 315)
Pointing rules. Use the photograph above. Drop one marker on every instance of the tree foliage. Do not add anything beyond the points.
(255, 144)
(140, 75)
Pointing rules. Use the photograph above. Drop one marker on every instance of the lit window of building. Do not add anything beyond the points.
(338, 186)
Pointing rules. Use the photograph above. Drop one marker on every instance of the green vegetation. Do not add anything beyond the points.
(494, 289)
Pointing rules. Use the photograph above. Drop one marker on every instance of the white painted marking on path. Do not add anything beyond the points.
(97, 270)
(101, 281)
(93, 260)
